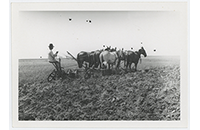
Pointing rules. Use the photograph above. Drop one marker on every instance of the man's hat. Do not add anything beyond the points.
(51, 45)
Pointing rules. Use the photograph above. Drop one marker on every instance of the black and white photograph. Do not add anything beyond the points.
(110, 62)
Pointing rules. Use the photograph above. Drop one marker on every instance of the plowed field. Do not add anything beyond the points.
(151, 93)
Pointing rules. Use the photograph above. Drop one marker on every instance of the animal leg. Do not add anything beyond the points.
(127, 65)
(136, 67)
(110, 66)
(101, 61)
(130, 66)
(124, 63)
(86, 65)
(118, 63)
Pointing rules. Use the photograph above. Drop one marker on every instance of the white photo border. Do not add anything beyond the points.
(182, 7)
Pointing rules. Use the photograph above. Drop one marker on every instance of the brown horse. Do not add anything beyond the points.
(90, 59)
(121, 56)
(87, 58)
(83, 57)
(133, 57)
(97, 59)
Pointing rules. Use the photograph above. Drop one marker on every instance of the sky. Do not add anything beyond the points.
(157, 30)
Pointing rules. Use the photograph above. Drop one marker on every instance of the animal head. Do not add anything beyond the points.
(113, 49)
(142, 51)
(108, 48)
(121, 53)
(80, 63)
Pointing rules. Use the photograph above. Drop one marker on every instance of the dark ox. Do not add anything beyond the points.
(133, 57)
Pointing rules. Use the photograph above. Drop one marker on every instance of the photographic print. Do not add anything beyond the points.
(105, 63)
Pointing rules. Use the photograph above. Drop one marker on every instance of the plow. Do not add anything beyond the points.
(70, 74)
(84, 73)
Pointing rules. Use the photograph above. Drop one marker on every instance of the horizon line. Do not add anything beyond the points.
(72, 58)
